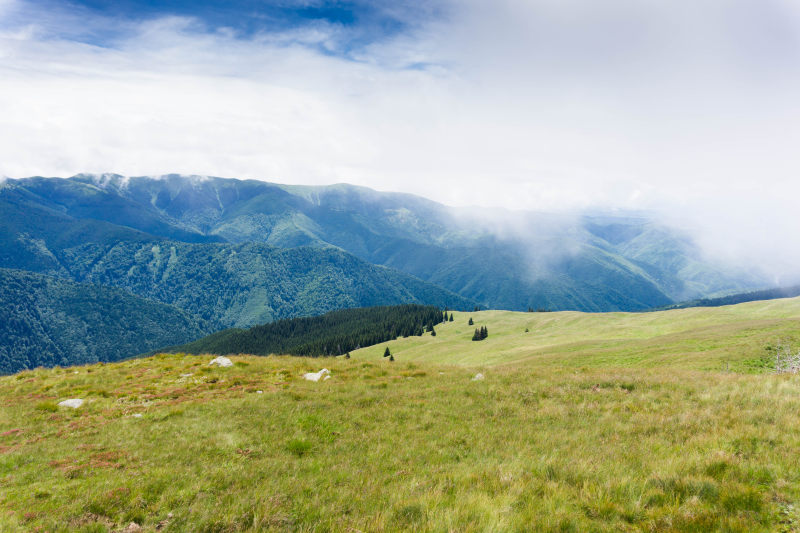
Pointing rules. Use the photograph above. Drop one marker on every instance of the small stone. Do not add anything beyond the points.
(137, 415)
(477, 377)
(132, 528)
(72, 402)
(221, 361)
(316, 376)
(259, 392)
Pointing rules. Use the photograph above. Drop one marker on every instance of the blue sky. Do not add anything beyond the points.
(682, 107)
(360, 23)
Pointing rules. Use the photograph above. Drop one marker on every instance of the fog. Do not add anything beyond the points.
(686, 110)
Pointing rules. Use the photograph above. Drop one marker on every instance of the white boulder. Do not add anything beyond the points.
(316, 376)
(477, 377)
(72, 402)
(223, 362)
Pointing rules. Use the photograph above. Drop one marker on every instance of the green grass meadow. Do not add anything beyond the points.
(732, 337)
(650, 422)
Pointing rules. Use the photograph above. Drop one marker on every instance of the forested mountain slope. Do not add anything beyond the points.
(74, 232)
(47, 321)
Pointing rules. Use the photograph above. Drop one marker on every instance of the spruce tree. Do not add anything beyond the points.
(391, 358)
(347, 355)
(477, 335)
(471, 322)
(451, 317)
(484, 332)
(387, 353)
(433, 332)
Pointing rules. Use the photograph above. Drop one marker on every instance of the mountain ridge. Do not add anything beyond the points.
(551, 261)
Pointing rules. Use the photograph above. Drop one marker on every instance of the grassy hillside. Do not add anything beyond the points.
(172, 444)
(696, 338)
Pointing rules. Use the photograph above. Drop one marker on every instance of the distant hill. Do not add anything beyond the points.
(502, 259)
(751, 296)
(333, 333)
(47, 321)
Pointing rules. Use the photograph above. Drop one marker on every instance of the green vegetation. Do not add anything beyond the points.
(396, 447)
(333, 333)
(47, 321)
(480, 333)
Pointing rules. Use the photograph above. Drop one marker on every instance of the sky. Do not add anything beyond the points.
(686, 108)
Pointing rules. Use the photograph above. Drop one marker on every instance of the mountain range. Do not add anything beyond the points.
(233, 253)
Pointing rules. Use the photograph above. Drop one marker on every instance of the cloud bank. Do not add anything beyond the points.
(686, 108)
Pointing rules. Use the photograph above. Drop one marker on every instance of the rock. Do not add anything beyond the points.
(223, 362)
(137, 415)
(477, 377)
(259, 392)
(72, 402)
(316, 376)
(132, 528)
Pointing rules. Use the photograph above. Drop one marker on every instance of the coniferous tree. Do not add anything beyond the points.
(433, 332)
(484, 332)
(391, 358)
(471, 322)
(477, 335)
(387, 353)
(347, 355)
(451, 317)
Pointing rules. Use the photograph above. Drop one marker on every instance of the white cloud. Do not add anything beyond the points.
(689, 108)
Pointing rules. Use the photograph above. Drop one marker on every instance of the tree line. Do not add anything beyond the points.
(334, 333)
